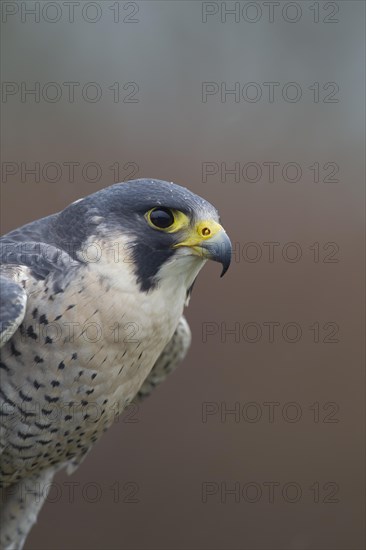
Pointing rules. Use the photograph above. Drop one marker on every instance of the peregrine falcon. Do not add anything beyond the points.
(91, 319)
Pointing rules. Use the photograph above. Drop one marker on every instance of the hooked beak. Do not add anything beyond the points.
(209, 240)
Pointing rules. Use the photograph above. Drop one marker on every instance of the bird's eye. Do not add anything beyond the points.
(162, 218)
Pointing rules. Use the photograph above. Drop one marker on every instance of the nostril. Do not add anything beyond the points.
(206, 231)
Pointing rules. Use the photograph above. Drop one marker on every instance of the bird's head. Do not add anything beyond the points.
(165, 229)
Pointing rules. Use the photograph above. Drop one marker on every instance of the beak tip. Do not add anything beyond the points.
(224, 270)
(219, 249)
(216, 247)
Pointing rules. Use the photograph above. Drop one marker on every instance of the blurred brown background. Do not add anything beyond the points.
(161, 477)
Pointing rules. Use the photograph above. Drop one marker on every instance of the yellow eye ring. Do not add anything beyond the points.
(166, 219)
(160, 218)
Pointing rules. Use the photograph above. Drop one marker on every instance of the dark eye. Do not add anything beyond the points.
(161, 218)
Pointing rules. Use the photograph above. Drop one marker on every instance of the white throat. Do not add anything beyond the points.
(162, 304)
(177, 275)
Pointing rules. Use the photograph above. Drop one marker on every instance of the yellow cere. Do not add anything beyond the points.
(203, 230)
(208, 228)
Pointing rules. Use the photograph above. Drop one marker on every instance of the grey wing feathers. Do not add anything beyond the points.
(13, 300)
(172, 355)
(22, 261)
